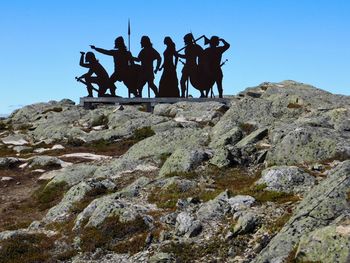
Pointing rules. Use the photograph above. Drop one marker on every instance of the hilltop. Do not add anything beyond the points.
(263, 179)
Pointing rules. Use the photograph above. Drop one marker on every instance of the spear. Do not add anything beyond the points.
(129, 33)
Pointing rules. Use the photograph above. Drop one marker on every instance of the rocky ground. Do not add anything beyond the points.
(264, 179)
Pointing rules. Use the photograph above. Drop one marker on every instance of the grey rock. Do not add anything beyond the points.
(326, 244)
(230, 137)
(9, 162)
(240, 202)
(20, 149)
(326, 201)
(150, 150)
(107, 206)
(73, 174)
(45, 161)
(162, 258)
(307, 145)
(204, 112)
(246, 223)
(75, 194)
(253, 137)
(287, 179)
(214, 209)
(183, 160)
(187, 225)
(134, 188)
(16, 139)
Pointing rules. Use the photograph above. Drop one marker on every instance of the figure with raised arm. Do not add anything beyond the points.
(123, 64)
(147, 56)
(212, 55)
(192, 54)
(169, 84)
(100, 77)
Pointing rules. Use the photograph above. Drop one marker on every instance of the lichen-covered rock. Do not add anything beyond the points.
(9, 162)
(46, 161)
(74, 195)
(326, 244)
(246, 223)
(326, 201)
(307, 145)
(203, 112)
(16, 139)
(240, 202)
(183, 160)
(214, 209)
(73, 174)
(151, 149)
(287, 179)
(187, 225)
(108, 206)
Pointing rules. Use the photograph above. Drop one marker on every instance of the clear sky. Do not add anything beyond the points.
(271, 40)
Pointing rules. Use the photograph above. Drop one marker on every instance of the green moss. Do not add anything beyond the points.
(89, 196)
(247, 128)
(185, 175)
(2, 126)
(100, 120)
(48, 196)
(112, 232)
(26, 249)
(294, 106)
(189, 252)
(54, 109)
(163, 157)
(277, 225)
(143, 133)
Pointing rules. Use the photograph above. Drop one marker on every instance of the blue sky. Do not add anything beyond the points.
(271, 40)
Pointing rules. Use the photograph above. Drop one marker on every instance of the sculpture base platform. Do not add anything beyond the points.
(90, 103)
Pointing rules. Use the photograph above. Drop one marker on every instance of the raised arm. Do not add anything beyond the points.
(103, 51)
(81, 63)
(226, 45)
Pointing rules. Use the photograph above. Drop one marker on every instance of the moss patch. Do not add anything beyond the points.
(123, 237)
(143, 133)
(54, 109)
(25, 249)
(247, 128)
(50, 195)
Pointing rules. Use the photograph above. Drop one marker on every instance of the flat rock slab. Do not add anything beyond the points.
(88, 156)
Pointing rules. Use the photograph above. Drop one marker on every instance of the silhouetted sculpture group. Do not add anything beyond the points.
(201, 68)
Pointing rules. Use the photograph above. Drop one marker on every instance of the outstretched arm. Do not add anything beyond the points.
(103, 51)
(81, 63)
(178, 55)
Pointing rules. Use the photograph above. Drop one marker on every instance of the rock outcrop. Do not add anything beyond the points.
(265, 178)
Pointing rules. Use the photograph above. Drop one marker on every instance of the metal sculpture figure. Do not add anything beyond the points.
(100, 77)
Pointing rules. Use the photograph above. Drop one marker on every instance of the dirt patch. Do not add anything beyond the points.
(18, 206)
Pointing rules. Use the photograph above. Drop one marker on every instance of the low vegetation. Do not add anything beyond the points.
(122, 237)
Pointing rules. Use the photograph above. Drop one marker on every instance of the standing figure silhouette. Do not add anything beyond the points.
(169, 84)
(192, 54)
(146, 56)
(212, 55)
(122, 61)
(101, 77)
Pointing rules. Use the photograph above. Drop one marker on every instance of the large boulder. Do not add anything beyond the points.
(75, 194)
(203, 112)
(287, 179)
(183, 160)
(152, 149)
(326, 244)
(327, 201)
(307, 145)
